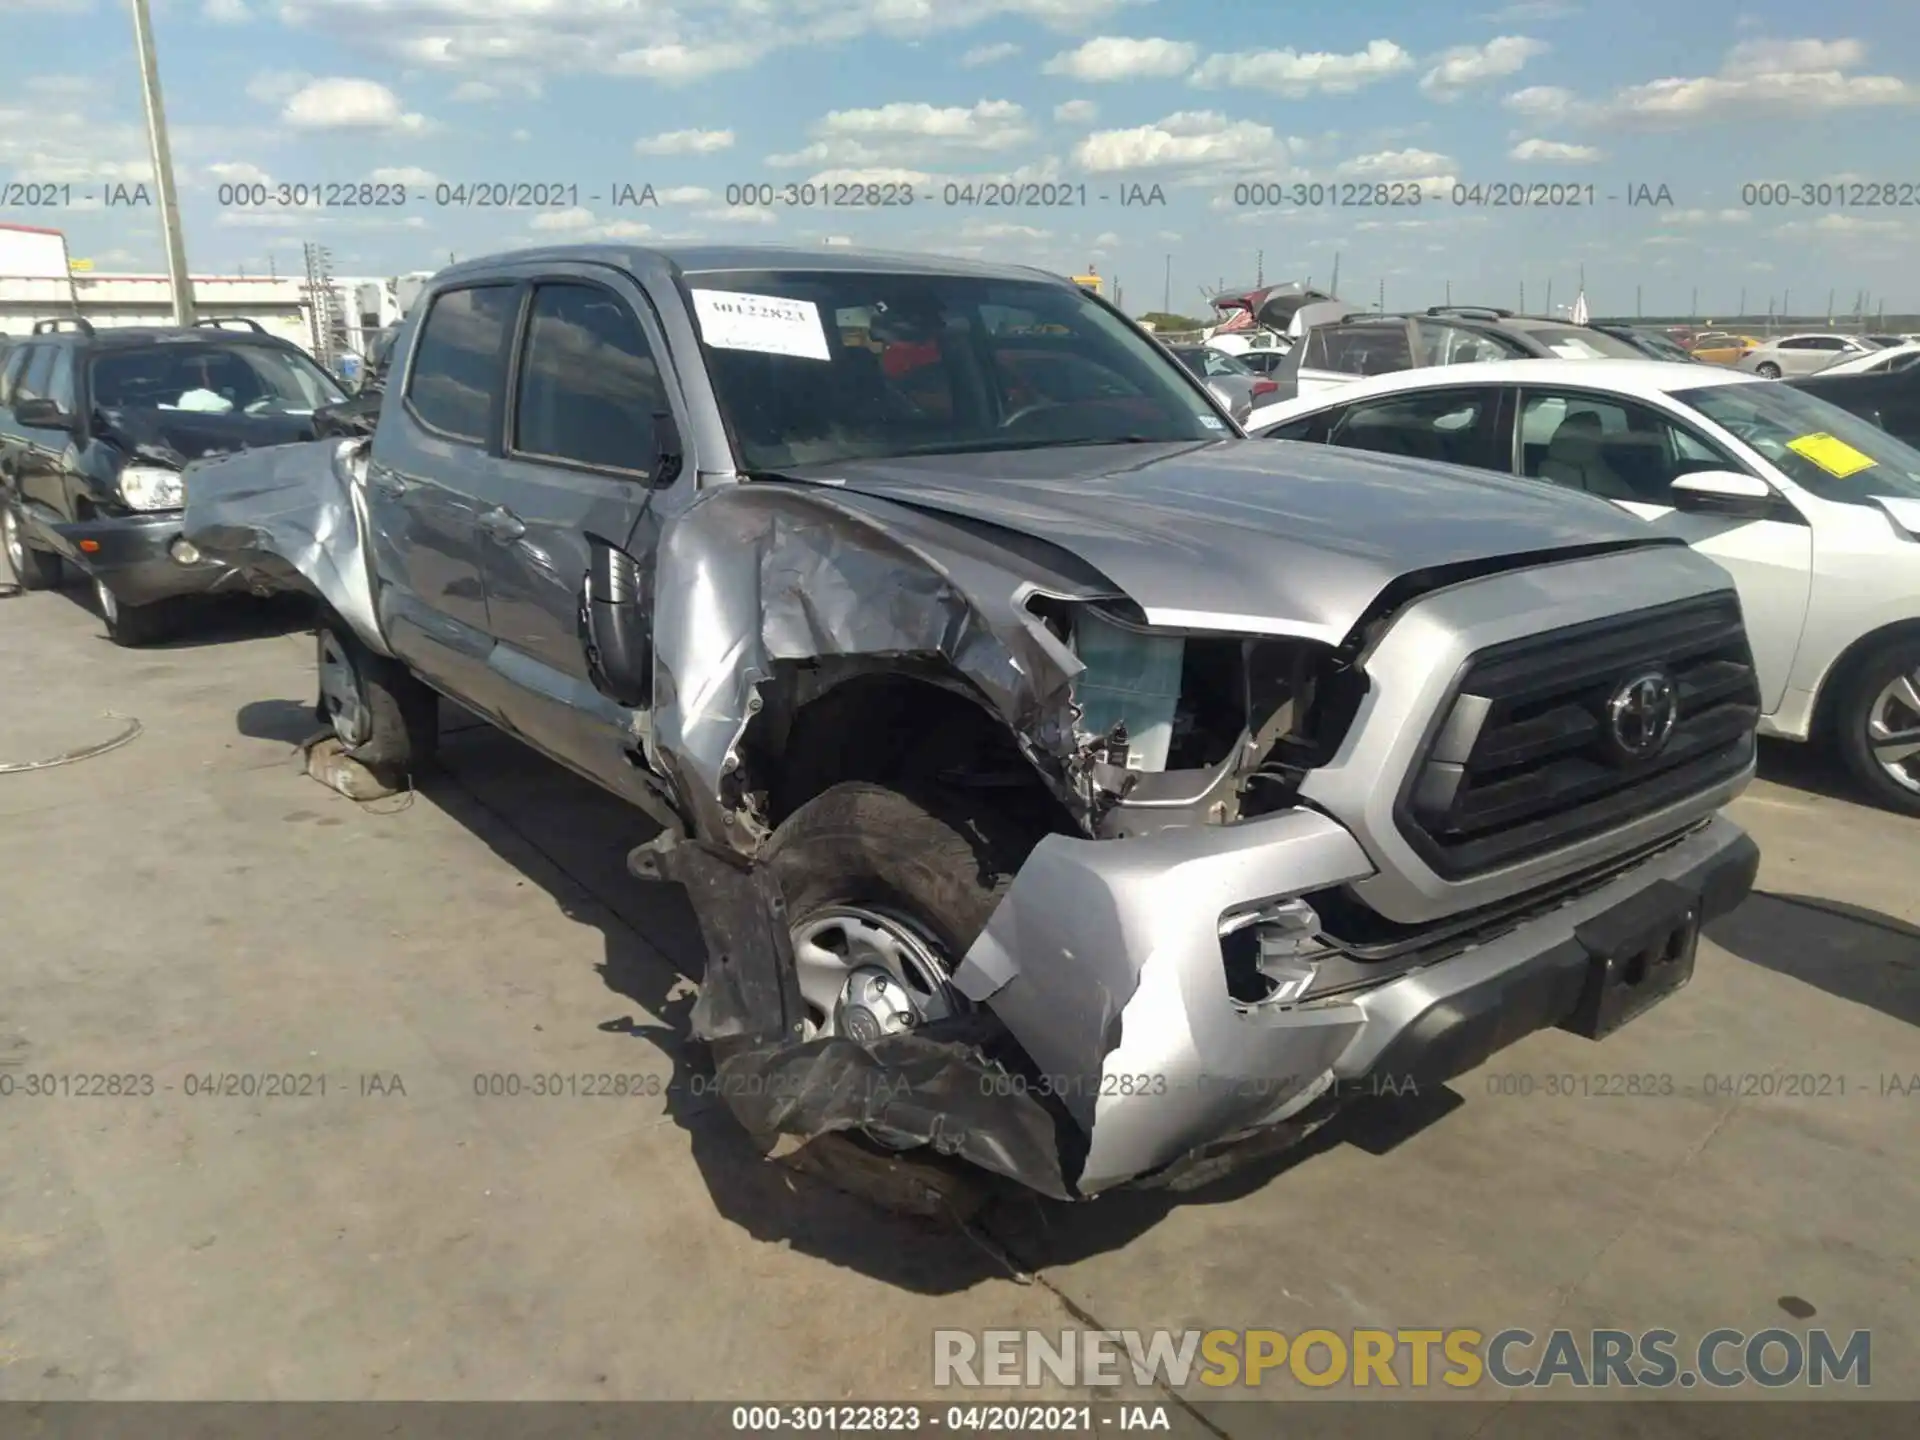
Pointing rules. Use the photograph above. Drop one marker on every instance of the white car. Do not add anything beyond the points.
(1802, 354)
(1815, 512)
(1879, 362)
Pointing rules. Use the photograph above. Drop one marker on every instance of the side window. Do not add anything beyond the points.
(1300, 429)
(33, 378)
(1444, 425)
(60, 382)
(10, 375)
(589, 384)
(1457, 345)
(1615, 449)
(1796, 343)
(1358, 349)
(1830, 342)
(458, 363)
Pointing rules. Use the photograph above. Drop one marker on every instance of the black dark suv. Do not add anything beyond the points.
(1369, 343)
(95, 428)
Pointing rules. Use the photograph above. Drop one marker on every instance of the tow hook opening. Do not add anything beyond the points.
(1272, 953)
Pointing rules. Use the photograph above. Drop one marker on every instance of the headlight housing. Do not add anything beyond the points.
(150, 487)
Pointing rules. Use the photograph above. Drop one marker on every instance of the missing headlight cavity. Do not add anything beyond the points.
(1210, 728)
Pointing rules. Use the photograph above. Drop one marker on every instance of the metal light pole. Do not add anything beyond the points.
(1166, 292)
(181, 281)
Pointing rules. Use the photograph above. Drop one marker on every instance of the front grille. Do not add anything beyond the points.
(1533, 753)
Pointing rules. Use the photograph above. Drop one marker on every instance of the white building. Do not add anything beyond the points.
(39, 281)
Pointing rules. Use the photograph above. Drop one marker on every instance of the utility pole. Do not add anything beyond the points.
(1786, 305)
(1693, 305)
(1449, 292)
(1829, 307)
(1166, 294)
(1381, 303)
(1260, 268)
(1523, 297)
(1549, 295)
(1743, 302)
(176, 244)
(1638, 312)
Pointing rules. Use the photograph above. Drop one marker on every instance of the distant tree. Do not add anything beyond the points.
(1161, 320)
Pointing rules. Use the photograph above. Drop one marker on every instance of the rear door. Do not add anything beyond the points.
(1456, 425)
(430, 453)
(1643, 449)
(578, 465)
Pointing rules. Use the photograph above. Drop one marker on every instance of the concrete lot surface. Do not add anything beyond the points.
(190, 907)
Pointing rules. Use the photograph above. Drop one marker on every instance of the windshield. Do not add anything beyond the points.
(1820, 447)
(817, 367)
(1583, 344)
(215, 379)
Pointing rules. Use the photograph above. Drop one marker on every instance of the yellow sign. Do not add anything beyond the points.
(80, 266)
(1836, 457)
(1087, 282)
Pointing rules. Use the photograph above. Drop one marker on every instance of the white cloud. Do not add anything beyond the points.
(878, 175)
(739, 215)
(680, 64)
(1532, 10)
(683, 195)
(1395, 165)
(1557, 152)
(276, 87)
(684, 142)
(1758, 80)
(989, 54)
(578, 218)
(340, 103)
(1291, 73)
(1465, 66)
(238, 172)
(581, 224)
(469, 92)
(910, 135)
(1198, 142)
(1705, 217)
(520, 137)
(1076, 112)
(402, 175)
(1106, 238)
(225, 12)
(1114, 57)
(1000, 230)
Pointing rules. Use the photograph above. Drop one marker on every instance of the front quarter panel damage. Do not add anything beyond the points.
(761, 577)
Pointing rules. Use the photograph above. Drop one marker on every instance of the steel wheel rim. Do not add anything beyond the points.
(16, 544)
(341, 695)
(831, 943)
(1893, 730)
(104, 598)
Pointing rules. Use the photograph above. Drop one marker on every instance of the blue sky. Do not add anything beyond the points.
(1203, 98)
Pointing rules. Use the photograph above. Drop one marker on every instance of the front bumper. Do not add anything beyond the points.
(1104, 962)
(131, 555)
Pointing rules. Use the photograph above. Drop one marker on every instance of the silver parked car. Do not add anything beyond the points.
(1063, 782)
(1235, 385)
(1802, 354)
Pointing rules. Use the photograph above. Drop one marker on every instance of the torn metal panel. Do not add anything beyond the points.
(905, 1090)
(1104, 962)
(768, 573)
(292, 515)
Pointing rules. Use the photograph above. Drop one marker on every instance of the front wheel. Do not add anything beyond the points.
(1877, 715)
(1767, 370)
(32, 569)
(131, 626)
(885, 892)
(382, 716)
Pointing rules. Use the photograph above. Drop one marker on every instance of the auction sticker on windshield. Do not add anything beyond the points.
(1836, 457)
(769, 324)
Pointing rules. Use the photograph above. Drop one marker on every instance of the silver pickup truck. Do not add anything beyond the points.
(1064, 781)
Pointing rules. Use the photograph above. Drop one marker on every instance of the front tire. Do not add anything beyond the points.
(32, 569)
(1877, 723)
(383, 717)
(1767, 370)
(878, 877)
(131, 626)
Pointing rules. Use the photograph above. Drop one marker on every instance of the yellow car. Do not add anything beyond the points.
(1721, 347)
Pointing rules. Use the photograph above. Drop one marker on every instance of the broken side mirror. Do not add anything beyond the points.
(615, 622)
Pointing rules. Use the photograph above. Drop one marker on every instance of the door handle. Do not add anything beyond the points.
(502, 524)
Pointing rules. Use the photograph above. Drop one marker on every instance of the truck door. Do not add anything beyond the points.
(578, 468)
(430, 452)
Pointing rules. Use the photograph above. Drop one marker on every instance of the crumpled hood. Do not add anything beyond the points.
(1259, 536)
(173, 437)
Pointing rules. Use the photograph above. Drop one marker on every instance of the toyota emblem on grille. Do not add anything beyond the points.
(1641, 715)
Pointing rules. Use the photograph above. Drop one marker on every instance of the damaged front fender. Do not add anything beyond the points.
(291, 516)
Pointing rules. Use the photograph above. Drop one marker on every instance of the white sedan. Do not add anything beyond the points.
(1814, 512)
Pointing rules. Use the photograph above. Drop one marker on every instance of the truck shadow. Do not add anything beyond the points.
(570, 838)
(1847, 951)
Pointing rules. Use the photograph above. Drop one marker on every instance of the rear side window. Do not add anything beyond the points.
(1358, 349)
(1446, 425)
(60, 381)
(459, 362)
(589, 384)
(33, 379)
(16, 362)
